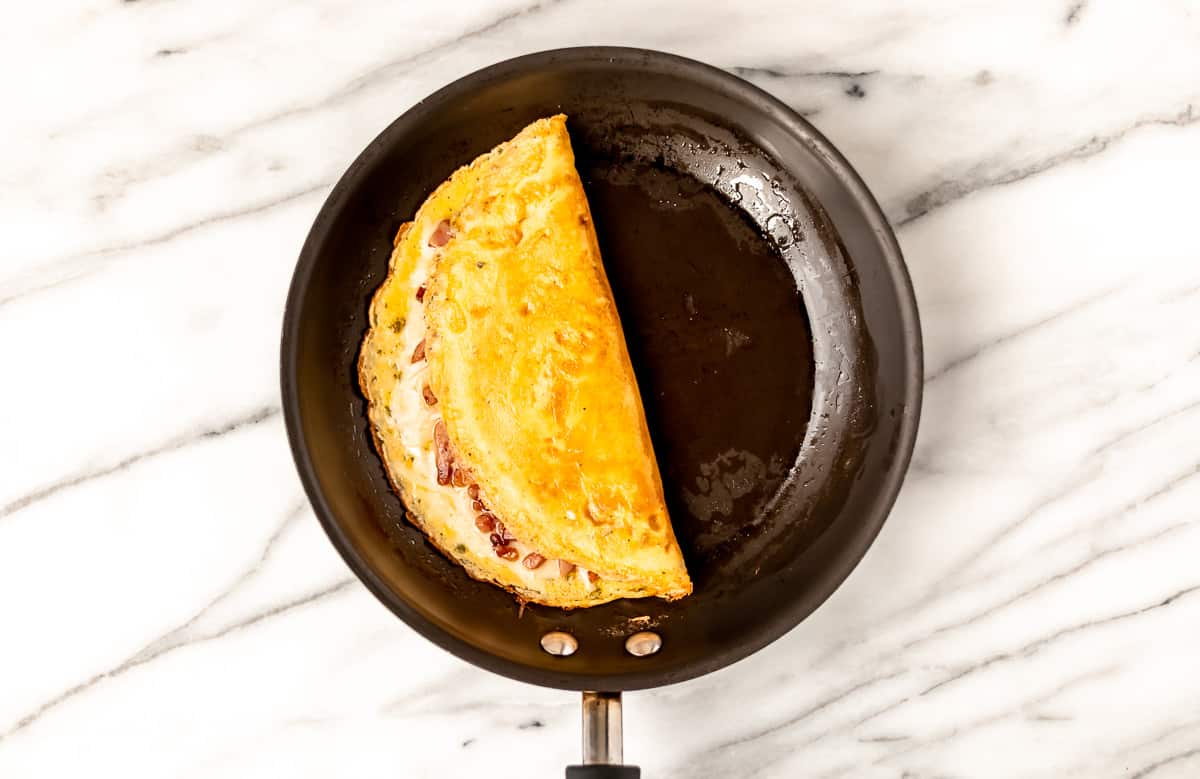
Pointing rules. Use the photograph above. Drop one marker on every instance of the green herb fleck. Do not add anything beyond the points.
(398, 325)
(460, 548)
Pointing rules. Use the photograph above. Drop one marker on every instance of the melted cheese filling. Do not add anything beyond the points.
(414, 421)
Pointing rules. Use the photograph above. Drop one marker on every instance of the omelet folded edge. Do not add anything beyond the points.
(627, 566)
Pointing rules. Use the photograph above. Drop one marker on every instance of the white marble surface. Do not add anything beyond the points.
(170, 608)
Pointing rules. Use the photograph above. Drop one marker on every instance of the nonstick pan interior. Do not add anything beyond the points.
(771, 324)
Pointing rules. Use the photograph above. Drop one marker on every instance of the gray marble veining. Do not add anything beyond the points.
(171, 608)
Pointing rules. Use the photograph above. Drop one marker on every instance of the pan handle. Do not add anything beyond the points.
(602, 746)
(603, 772)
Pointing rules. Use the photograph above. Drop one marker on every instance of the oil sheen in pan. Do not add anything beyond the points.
(719, 337)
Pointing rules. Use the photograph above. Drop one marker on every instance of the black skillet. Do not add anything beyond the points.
(773, 331)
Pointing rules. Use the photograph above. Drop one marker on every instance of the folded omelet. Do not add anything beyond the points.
(500, 391)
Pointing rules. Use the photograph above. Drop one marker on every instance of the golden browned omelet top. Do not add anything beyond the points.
(529, 364)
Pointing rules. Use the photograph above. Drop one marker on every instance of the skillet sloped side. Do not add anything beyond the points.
(789, 553)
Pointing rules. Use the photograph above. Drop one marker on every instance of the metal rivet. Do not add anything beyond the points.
(559, 643)
(643, 644)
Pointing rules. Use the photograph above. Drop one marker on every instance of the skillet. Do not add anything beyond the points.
(772, 327)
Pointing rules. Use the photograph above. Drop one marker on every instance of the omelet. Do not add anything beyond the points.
(500, 392)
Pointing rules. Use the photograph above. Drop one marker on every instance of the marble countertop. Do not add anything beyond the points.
(171, 608)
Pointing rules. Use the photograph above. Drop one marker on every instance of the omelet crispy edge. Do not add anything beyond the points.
(529, 363)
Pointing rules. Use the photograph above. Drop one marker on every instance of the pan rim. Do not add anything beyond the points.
(757, 99)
